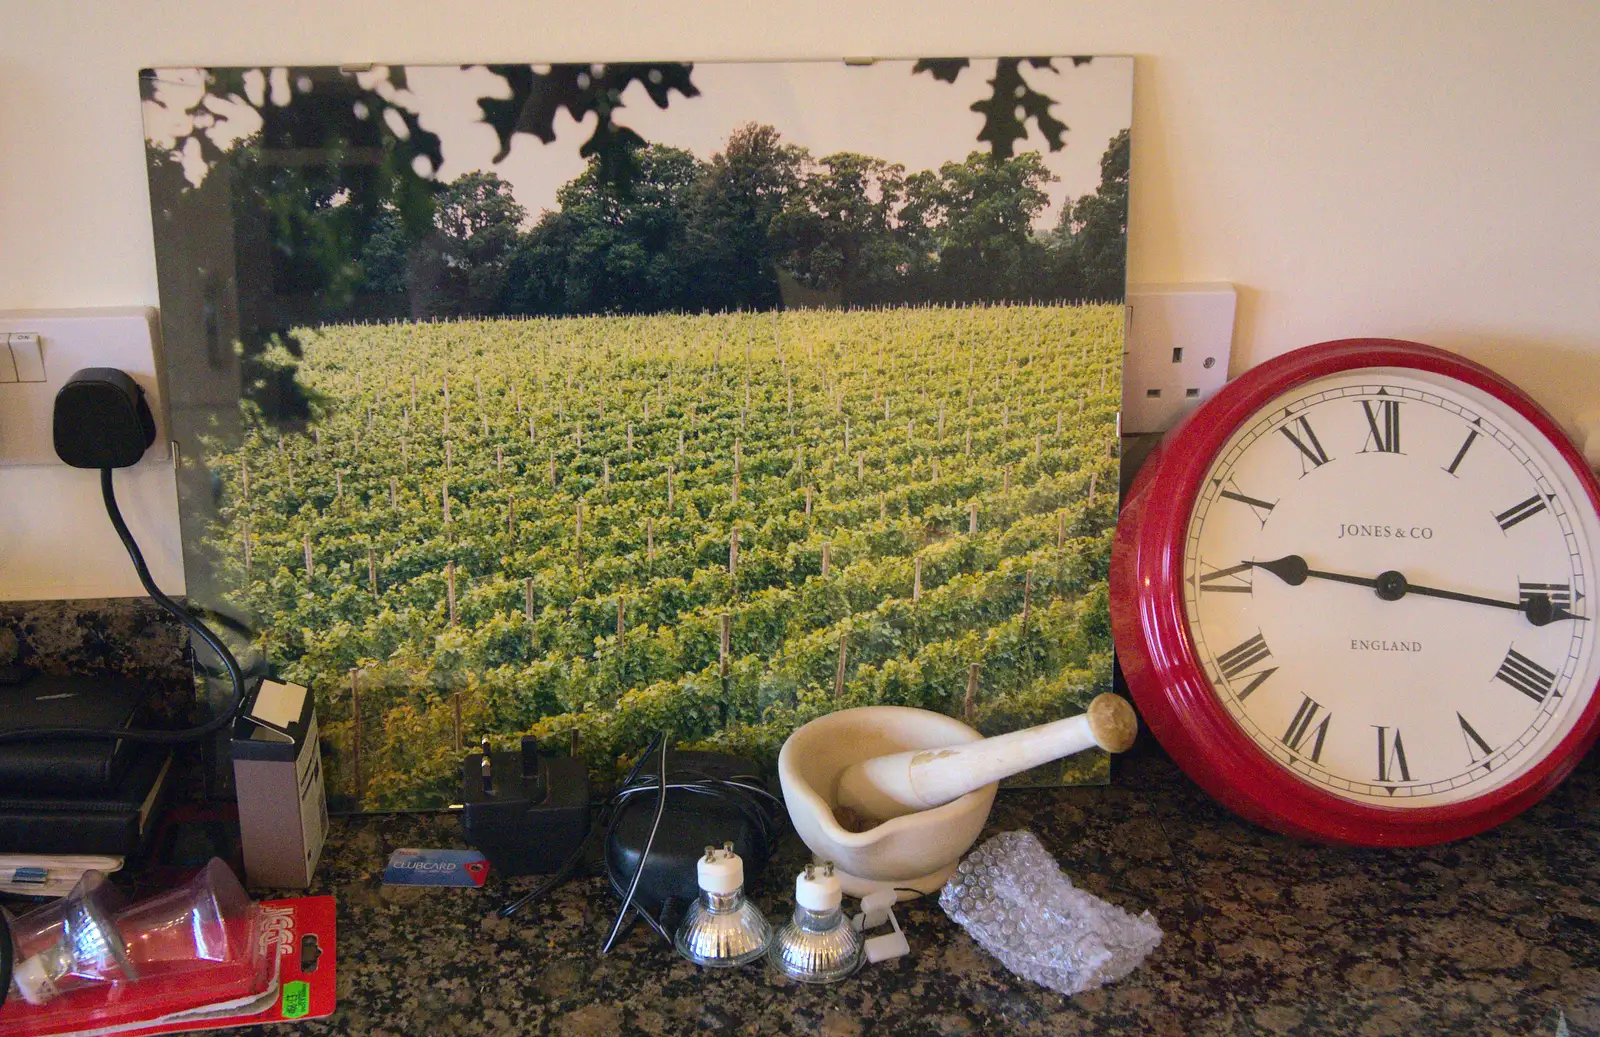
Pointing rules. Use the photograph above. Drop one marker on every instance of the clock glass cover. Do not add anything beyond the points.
(1387, 581)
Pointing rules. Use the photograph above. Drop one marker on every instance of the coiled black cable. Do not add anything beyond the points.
(199, 629)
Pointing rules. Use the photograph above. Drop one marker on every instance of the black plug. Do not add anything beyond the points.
(102, 420)
(526, 812)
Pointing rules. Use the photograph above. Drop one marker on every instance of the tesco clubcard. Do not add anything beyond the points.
(409, 867)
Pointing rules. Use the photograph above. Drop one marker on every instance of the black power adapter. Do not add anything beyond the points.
(526, 812)
(712, 799)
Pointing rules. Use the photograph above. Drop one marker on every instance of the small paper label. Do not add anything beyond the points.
(296, 999)
(278, 705)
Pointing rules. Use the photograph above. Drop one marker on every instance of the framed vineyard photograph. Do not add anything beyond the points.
(583, 402)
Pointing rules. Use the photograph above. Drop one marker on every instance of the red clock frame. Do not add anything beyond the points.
(1164, 672)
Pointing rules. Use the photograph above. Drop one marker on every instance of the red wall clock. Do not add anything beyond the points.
(1352, 596)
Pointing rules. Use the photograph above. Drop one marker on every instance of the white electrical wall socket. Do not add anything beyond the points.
(41, 349)
(1179, 338)
(55, 539)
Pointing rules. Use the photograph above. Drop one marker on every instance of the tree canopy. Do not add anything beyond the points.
(729, 233)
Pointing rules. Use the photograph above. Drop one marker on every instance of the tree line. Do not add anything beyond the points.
(759, 226)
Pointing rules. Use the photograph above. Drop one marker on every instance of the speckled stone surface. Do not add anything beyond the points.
(128, 636)
(1496, 935)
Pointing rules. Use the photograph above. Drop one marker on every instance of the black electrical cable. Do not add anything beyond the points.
(199, 629)
(644, 856)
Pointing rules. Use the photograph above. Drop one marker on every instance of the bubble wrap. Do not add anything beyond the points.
(1013, 898)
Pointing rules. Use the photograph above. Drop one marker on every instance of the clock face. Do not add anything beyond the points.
(1387, 582)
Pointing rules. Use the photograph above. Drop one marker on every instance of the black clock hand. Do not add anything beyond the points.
(1392, 586)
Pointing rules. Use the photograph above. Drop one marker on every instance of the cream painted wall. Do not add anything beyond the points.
(1425, 169)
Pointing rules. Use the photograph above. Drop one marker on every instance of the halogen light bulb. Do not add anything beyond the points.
(722, 928)
(818, 945)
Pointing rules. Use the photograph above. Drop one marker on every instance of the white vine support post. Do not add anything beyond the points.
(969, 705)
(726, 622)
(372, 571)
(972, 518)
(527, 607)
(444, 503)
(838, 676)
(827, 559)
(669, 487)
(1092, 477)
(355, 729)
(733, 552)
(808, 502)
(450, 588)
(394, 492)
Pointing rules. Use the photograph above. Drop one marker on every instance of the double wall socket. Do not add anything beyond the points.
(44, 348)
(55, 539)
(1179, 340)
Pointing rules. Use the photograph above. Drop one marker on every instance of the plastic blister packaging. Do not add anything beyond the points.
(88, 961)
(1015, 901)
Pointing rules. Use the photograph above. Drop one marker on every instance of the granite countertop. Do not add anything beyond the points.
(1499, 934)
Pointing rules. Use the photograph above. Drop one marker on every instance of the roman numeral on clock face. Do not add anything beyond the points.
(1310, 449)
(1236, 660)
(1526, 676)
(1392, 756)
(1558, 594)
(1235, 579)
(1300, 730)
(1477, 748)
(1261, 509)
(1517, 512)
(1242, 656)
(1456, 462)
(1384, 424)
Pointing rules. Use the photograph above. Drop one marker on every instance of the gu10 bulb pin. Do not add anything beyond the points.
(722, 928)
(818, 945)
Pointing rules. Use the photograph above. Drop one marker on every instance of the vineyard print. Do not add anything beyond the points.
(589, 529)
